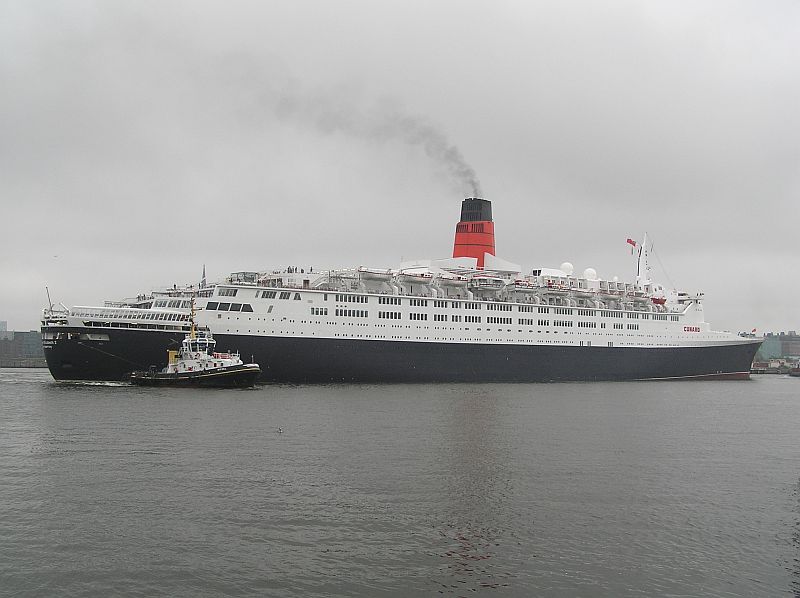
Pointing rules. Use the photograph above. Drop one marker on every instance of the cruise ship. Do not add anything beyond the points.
(472, 317)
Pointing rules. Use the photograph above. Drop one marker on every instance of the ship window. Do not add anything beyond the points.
(236, 307)
(297, 296)
(174, 304)
(211, 305)
(247, 307)
(224, 306)
(227, 292)
(285, 295)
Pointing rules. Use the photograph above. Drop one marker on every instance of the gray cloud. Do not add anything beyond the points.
(307, 132)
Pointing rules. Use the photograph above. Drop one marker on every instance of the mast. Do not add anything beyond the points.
(643, 265)
(192, 333)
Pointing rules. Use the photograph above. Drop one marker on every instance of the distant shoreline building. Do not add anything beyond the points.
(20, 349)
(779, 345)
(4, 333)
(778, 354)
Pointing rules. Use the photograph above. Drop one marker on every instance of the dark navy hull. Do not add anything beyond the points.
(317, 360)
(114, 360)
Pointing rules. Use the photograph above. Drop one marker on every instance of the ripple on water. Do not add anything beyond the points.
(514, 490)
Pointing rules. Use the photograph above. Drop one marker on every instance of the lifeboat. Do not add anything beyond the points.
(452, 280)
(524, 286)
(418, 277)
(485, 281)
(584, 293)
(374, 274)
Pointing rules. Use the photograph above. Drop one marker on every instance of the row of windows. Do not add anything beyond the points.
(213, 305)
(224, 292)
(135, 325)
(618, 326)
(353, 313)
(172, 303)
(587, 324)
(633, 327)
(440, 317)
(389, 315)
(439, 303)
(566, 323)
(351, 298)
(491, 320)
(498, 307)
(418, 316)
(611, 314)
(126, 315)
(319, 311)
(424, 303)
(168, 317)
(473, 319)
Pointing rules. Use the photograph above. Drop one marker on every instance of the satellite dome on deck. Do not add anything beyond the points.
(590, 274)
(567, 268)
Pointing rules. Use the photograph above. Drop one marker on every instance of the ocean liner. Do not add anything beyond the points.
(472, 318)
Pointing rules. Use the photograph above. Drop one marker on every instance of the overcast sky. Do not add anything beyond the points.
(141, 140)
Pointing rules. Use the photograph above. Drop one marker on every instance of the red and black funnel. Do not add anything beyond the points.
(475, 231)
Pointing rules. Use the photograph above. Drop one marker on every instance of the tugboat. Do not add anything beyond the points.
(197, 364)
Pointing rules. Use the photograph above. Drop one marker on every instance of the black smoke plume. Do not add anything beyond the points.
(384, 122)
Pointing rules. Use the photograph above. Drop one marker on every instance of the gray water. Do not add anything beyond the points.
(618, 489)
